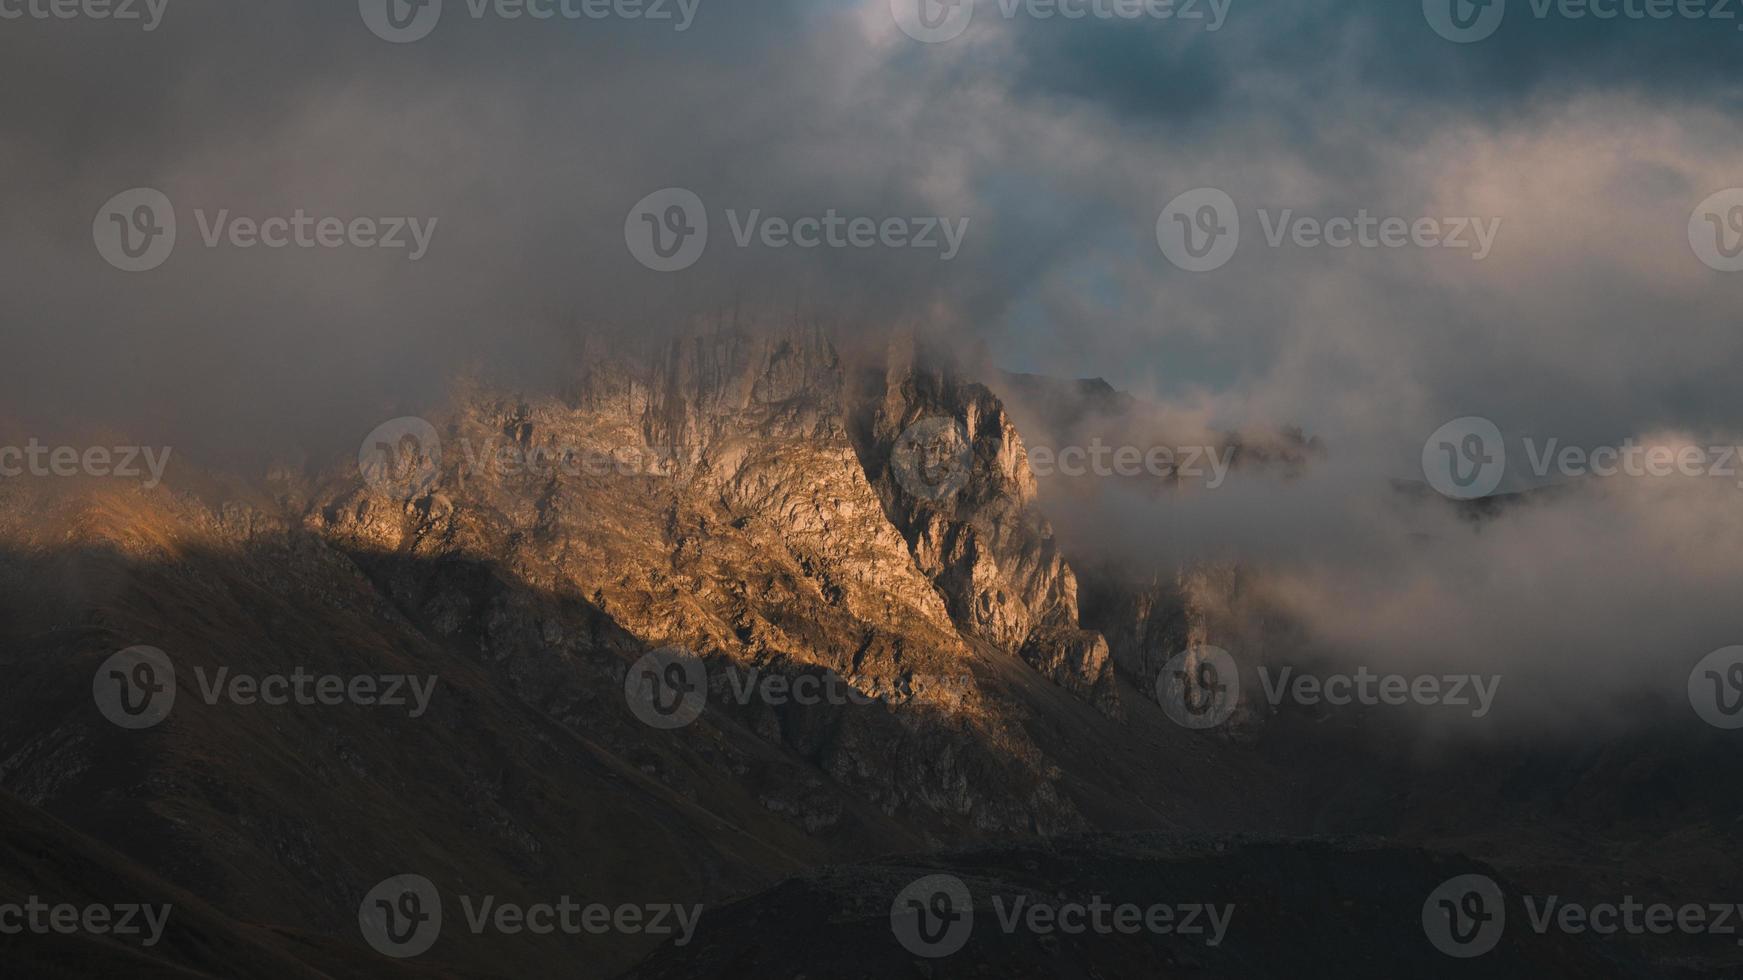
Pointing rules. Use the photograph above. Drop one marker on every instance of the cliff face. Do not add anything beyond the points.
(764, 447)
(1147, 623)
(983, 544)
(734, 497)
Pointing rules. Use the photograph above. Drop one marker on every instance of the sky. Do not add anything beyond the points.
(527, 141)
(542, 156)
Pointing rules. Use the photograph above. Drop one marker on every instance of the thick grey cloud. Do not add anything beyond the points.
(1061, 141)
(529, 140)
(1160, 72)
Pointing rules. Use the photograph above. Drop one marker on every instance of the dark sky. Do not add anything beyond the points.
(529, 141)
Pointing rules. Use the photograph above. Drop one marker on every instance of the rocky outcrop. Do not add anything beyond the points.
(1077, 660)
(714, 497)
(1217, 606)
(978, 535)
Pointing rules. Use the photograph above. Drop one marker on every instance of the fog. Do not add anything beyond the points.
(524, 144)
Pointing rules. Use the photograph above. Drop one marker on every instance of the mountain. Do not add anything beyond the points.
(710, 619)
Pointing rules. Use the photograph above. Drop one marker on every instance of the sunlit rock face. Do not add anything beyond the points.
(733, 495)
(986, 547)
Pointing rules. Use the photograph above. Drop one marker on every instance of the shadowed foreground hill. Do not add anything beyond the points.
(1288, 909)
